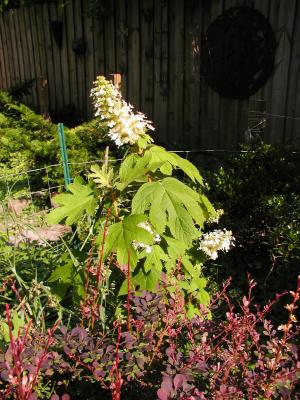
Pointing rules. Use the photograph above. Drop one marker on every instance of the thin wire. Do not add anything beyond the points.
(263, 113)
(29, 188)
(283, 116)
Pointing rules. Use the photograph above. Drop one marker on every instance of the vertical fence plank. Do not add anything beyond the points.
(161, 82)
(64, 59)
(133, 53)
(121, 43)
(147, 52)
(79, 59)
(89, 58)
(284, 29)
(6, 32)
(292, 108)
(193, 27)
(273, 17)
(211, 120)
(11, 42)
(26, 63)
(99, 46)
(48, 48)
(109, 41)
(36, 50)
(176, 54)
(71, 58)
(41, 42)
(3, 58)
(20, 46)
(229, 108)
(56, 57)
(31, 56)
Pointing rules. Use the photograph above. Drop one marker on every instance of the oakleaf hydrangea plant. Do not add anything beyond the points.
(156, 221)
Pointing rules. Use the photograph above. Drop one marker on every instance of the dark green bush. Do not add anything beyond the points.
(259, 189)
(28, 141)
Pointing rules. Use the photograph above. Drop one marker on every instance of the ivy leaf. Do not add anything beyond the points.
(73, 205)
(121, 235)
(170, 203)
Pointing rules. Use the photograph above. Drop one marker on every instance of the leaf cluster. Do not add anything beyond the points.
(142, 191)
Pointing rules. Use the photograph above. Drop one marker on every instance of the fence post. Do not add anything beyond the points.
(64, 154)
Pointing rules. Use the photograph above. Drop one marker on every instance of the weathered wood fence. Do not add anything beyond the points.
(156, 46)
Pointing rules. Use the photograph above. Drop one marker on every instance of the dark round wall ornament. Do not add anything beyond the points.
(238, 52)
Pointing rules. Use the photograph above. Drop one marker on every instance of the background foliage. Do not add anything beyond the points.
(259, 189)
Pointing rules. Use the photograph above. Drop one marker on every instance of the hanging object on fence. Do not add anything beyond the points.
(238, 52)
(79, 46)
(57, 30)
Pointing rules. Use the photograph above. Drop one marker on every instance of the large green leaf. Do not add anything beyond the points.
(135, 168)
(159, 154)
(73, 205)
(170, 203)
(121, 235)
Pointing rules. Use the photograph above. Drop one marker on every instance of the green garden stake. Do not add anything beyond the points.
(64, 154)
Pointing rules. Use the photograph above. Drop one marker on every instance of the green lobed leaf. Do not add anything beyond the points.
(73, 205)
(121, 236)
(102, 176)
(170, 203)
(159, 154)
(147, 280)
(136, 168)
(154, 259)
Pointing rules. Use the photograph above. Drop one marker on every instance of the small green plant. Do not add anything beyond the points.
(155, 219)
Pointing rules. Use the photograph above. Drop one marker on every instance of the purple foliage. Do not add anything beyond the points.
(241, 357)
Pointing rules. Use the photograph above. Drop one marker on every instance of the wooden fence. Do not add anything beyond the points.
(156, 46)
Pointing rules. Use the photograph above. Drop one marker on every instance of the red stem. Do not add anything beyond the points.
(99, 269)
(128, 294)
(41, 359)
(116, 392)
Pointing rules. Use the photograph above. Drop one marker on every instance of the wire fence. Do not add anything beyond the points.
(26, 196)
(40, 185)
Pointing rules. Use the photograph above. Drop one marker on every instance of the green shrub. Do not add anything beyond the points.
(259, 189)
(28, 141)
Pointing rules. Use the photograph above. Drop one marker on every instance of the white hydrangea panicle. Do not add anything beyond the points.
(124, 125)
(217, 240)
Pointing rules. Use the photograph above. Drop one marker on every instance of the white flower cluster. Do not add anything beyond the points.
(214, 219)
(143, 246)
(217, 240)
(125, 126)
